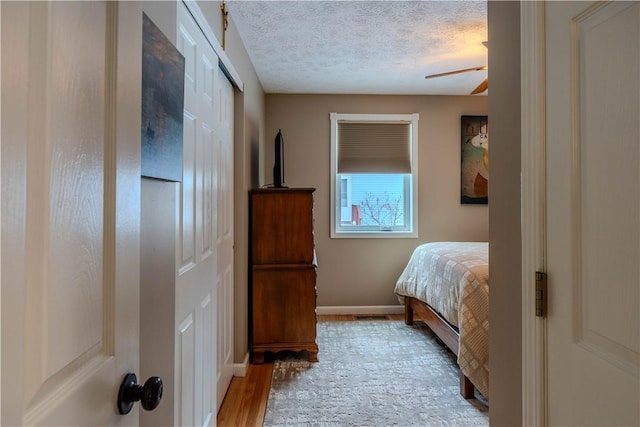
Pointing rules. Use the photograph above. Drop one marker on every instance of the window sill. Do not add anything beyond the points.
(374, 235)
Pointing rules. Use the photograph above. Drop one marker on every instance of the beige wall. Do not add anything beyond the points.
(504, 223)
(164, 15)
(363, 272)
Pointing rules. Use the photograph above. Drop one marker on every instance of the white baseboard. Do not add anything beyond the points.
(240, 369)
(361, 309)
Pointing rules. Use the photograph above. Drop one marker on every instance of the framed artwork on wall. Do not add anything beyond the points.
(162, 105)
(474, 170)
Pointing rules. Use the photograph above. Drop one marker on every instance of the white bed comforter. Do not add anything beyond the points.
(453, 278)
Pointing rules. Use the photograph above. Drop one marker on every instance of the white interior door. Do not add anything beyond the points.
(196, 297)
(70, 210)
(593, 212)
(224, 241)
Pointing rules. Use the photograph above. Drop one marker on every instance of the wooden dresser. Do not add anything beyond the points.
(282, 290)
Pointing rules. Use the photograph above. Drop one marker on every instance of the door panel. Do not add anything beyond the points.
(225, 237)
(73, 146)
(195, 294)
(207, 401)
(593, 212)
(207, 185)
(187, 375)
(187, 233)
(71, 201)
(606, 182)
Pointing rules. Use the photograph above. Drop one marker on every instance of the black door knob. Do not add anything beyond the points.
(130, 392)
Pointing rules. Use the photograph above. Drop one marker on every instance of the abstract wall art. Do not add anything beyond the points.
(162, 105)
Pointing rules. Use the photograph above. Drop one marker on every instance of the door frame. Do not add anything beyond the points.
(533, 167)
(223, 60)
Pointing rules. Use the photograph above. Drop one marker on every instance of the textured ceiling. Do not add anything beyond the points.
(363, 47)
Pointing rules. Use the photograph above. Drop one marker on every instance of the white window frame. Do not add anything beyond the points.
(336, 229)
(345, 209)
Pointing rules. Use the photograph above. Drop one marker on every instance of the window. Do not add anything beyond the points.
(374, 174)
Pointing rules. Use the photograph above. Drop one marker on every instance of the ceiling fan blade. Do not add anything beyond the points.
(466, 70)
(481, 87)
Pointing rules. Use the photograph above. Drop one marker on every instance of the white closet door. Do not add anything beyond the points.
(224, 281)
(196, 295)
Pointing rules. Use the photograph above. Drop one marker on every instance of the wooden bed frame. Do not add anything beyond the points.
(443, 330)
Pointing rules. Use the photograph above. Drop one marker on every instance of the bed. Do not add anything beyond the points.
(446, 284)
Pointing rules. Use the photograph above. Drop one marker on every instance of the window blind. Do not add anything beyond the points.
(368, 147)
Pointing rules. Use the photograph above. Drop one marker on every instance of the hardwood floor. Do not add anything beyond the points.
(246, 400)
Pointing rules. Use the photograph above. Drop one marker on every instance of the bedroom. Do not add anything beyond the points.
(362, 285)
(511, 365)
(350, 282)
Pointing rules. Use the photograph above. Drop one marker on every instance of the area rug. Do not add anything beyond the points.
(372, 373)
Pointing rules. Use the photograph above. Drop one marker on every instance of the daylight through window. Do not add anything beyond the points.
(374, 174)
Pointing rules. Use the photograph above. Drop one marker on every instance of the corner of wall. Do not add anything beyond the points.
(504, 220)
(240, 369)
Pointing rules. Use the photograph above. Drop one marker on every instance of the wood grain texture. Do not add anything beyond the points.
(283, 276)
(75, 144)
(246, 398)
(282, 226)
(284, 308)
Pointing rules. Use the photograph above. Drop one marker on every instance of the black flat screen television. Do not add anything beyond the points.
(278, 164)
